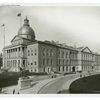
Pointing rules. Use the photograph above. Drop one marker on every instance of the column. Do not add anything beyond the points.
(13, 52)
(21, 51)
(17, 53)
(9, 54)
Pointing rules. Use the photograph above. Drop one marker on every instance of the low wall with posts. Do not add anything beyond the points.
(24, 82)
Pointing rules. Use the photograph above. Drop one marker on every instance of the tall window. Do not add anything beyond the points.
(43, 61)
(23, 49)
(51, 52)
(35, 51)
(28, 63)
(31, 63)
(31, 52)
(63, 61)
(66, 54)
(59, 53)
(34, 62)
(62, 54)
(47, 61)
(59, 61)
(51, 61)
(43, 51)
(28, 52)
(47, 52)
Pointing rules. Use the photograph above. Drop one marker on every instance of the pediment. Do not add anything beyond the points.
(86, 49)
(16, 38)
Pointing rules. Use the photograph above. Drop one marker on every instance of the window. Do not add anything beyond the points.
(7, 63)
(47, 61)
(31, 52)
(66, 68)
(51, 52)
(35, 49)
(63, 68)
(63, 61)
(31, 63)
(59, 61)
(51, 61)
(62, 54)
(28, 63)
(47, 52)
(58, 53)
(43, 51)
(35, 52)
(66, 62)
(43, 61)
(43, 69)
(34, 62)
(23, 49)
(18, 48)
(28, 52)
(66, 54)
(59, 69)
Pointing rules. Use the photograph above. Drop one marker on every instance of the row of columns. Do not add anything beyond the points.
(15, 52)
(15, 63)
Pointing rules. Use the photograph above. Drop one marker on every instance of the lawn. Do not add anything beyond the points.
(90, 84)
(11, 78)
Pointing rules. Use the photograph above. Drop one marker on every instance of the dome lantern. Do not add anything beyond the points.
(26, 21)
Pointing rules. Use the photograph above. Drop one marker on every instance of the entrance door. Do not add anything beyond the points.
(49, 70)
(73, 69)
(23, 63)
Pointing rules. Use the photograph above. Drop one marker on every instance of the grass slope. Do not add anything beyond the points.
(90, 84)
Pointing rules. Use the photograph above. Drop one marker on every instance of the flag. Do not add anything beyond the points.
(19, 14)
(3, 25)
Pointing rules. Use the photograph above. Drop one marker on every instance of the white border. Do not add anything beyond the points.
(51, 3)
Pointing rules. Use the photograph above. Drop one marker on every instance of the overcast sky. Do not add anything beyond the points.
(73, 25)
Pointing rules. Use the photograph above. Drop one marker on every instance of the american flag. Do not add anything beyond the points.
(19, 14)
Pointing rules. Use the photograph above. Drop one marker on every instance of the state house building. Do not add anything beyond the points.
(25, 52)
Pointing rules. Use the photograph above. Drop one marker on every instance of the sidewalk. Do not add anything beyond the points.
(9, 89)
(37, 87)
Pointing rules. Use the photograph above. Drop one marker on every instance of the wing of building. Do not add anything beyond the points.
(25, 52)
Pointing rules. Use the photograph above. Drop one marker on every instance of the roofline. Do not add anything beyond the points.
(37, 41)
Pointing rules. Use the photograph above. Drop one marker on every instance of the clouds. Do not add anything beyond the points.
(68, 24)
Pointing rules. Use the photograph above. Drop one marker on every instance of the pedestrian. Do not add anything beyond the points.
(80, 75)
(14, 91)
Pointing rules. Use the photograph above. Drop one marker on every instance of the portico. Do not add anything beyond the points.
(15, 56)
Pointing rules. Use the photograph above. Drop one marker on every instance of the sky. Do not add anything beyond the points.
(73, 25)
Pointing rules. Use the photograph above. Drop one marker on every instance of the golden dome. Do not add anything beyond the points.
(26, 30)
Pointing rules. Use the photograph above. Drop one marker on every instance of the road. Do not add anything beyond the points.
(59, 84)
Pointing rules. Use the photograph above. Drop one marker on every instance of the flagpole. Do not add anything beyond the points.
(4, 33)
(4, 36)
(3, 25)
(20, 21)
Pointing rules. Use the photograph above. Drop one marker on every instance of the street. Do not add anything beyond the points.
(59, 84)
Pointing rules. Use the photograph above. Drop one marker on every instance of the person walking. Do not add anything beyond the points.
(14, 91)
